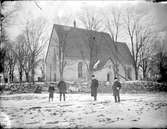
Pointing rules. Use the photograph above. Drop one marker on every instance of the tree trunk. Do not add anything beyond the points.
(61, 75)
(89, 77)
(27, 76)
(32, 75)
(144, 75)
(116, 70)
(11, 76)
(20, 75)
(61, 70)
(136, 73)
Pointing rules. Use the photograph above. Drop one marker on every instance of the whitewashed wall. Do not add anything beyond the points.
(71, 70)
(51, 59)
(101, 75)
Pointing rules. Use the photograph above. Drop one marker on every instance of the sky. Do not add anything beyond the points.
(55, 11)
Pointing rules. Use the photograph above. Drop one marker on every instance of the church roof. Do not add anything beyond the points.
(124, 53)
(77, 45)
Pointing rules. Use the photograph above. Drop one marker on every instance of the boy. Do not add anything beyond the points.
(51, 92)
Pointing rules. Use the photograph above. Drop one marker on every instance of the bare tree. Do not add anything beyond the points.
(9, 61)
(21, 53)
(90, 19)
(160, 59)
(35, 42)
(94, 51)
(92, 22)
(113, 23)
(7, 13)
(141, 37)
(12, 62)
(133, 29)
(62, 34)
(147, 38)
(42, 68)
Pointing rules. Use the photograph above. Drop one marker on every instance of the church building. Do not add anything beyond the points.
(79, 47)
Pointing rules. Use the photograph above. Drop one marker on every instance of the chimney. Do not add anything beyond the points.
(74, 24)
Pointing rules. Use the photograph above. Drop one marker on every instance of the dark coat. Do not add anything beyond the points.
(94, 86)
(116, 85)
(51, 89)
(62, 87)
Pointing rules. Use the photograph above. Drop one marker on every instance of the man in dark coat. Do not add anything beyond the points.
(116, 88)
(94, 86)
(51, 92)
(62, 89)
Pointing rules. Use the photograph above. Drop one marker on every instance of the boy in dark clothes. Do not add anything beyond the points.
(51, 92)
(116, 88)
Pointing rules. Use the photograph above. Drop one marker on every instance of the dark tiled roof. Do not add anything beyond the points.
(124, 53)
(77, 45)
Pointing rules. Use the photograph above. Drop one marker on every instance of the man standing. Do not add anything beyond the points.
(94, 86)
(51, 92)
(116, 88)
(62, 89)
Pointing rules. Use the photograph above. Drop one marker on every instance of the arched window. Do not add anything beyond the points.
(109, 76)
(80, 72)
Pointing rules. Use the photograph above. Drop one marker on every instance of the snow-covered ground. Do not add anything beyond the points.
(134, 110)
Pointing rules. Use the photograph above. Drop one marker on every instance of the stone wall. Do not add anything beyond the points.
(84, 87)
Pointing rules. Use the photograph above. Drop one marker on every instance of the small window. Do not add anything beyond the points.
(129, 73)
(80, 70)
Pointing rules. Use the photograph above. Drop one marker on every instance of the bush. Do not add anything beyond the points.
(141, 86)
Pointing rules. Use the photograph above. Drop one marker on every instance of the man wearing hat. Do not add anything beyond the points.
(62, 89)
(116, 88)
(94, 86)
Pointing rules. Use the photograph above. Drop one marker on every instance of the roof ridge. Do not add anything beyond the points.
(81, 29)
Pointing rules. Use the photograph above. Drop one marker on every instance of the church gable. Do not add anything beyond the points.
(51, 57)
(52, 47)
